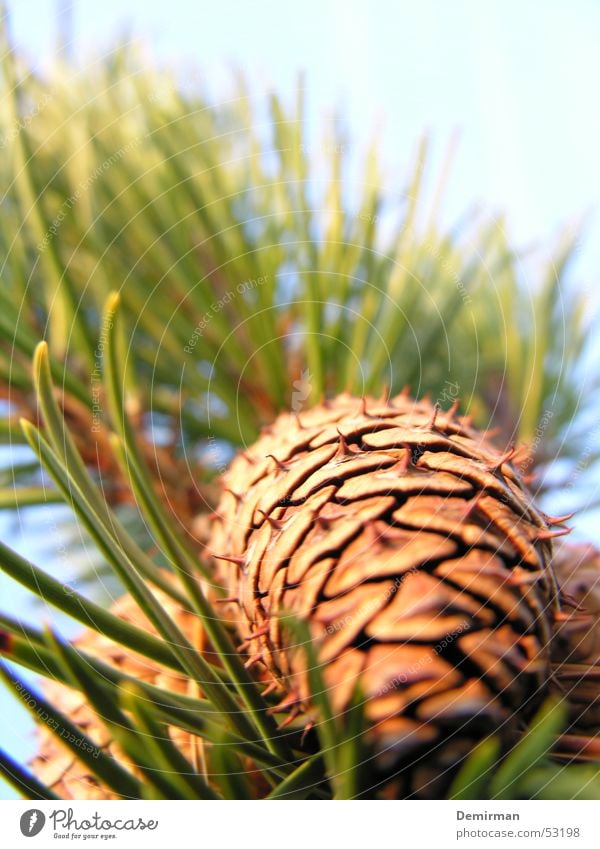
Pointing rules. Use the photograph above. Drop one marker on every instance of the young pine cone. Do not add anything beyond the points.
(410, 546)
(576, 649)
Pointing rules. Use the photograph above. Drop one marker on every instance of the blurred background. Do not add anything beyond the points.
(515, 83)
(507, 90)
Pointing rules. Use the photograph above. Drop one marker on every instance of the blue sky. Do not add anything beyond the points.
(518, 82)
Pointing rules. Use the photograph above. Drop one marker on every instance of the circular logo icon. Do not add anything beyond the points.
(32, 822)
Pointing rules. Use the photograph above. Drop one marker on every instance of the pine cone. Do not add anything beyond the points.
(409, 544)
(576, 649)
(54, 763)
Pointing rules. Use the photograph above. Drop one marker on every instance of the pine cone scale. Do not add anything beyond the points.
(409, 545)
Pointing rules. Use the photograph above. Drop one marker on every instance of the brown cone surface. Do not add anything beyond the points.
(414, 554)
(408, 543)
(576, 649)
(55, 764)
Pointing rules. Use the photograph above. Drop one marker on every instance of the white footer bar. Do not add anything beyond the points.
(301, 825)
